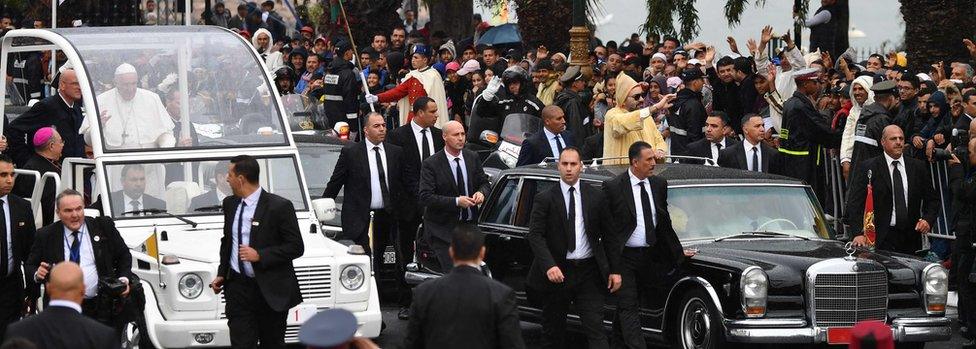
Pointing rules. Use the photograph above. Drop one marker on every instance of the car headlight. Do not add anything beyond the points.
(191, 286)
(352, 277)
(935, 285)
(753, 286)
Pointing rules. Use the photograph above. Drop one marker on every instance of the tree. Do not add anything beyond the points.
(934, 31)
(453, 17)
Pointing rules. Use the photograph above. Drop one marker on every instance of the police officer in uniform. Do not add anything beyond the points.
(686, 120)
(25, 71)
(340, 99)
(805, 132)
(871, 123)
(495, 103)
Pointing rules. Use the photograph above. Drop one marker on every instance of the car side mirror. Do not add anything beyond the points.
(325, 209)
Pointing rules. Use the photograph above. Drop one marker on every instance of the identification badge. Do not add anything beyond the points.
(331, 79)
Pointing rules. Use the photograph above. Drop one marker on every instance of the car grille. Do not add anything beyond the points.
(315, 283)
(841, 300)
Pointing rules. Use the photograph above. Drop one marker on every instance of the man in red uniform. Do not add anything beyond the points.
(420, 82)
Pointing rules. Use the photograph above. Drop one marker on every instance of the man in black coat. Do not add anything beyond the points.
(571, 102)
(751, 154)
(61, 325)
(549, 141)
(48, 146)
(261, 239)
(92, 243)
(643, 249)
(63, 111)
(342, 90)
(464, 308)
(874, 118)
(805, 132)
(686, 119)
(16, 239)
(714, 141)
(905, 204)
(566, 232)
(419, 140)
(452, 185)
(214, 197)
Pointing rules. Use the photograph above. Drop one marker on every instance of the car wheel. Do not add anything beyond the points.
(698, 325)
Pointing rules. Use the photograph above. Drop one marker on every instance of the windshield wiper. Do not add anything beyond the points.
(209, 208)
(753, 234)
(163, 212)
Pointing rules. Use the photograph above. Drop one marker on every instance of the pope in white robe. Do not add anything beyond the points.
(132, 117)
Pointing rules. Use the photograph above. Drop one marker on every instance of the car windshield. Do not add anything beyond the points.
(712, 212)
(319, 161)
(176, 89)
(192, 187)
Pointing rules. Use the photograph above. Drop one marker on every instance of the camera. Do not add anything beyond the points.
(960, 143)
(111, 287)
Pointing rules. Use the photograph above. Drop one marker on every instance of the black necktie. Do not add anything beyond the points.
(135, 206)
(718, 149)
(4, 263)
(240, 236)
(899, 192)
(649, 236)
(462, 189)
(384, 190)
(75, 248)
(571, 221)
(425, 152)
(559, 146)
(755, 160)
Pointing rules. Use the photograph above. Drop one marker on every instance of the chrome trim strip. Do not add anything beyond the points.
(759, 323)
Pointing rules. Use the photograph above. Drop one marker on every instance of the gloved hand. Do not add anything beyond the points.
(371, 98)
(492, 88)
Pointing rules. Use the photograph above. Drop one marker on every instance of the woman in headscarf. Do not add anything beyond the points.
(861, 95)
(935, 133)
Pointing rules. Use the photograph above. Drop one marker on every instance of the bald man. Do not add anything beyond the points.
(132, 117)
(549, 141)
(452, 185)
(905, 204)
(61, 324)
(61, 111)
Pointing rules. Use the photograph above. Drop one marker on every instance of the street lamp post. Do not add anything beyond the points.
(579, 39)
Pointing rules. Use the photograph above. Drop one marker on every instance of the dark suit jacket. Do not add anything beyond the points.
(403, 136)
(64, 328)
(148, 201)
(203, 200)
(24, 185)
(112, 256)
(463, 309)
(702, 148)
(50, 111)
(550, 231)
(922, 203)
(536, 147)
(276, 237)
(623, 208)
(439, 191)
(735, 157)
(593, 146)
(352, 172)
(22, 234)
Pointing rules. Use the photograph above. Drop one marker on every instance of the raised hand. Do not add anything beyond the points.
(732, 45)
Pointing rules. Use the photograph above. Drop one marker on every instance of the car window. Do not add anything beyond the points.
(530, 187)
(501, 211)
(319, 161)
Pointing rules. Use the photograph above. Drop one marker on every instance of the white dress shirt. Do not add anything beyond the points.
(582, 250)
(551, 139)
(904, 182)
(66, 304)
(639, 237)
(127, 202)
(420, 142)
(10, 234)
(247, 220)
(464, 172)
(716, 149)
(376, 194)
(747, 148)
(87, 262)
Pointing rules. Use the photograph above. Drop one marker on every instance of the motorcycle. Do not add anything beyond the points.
(506, 147)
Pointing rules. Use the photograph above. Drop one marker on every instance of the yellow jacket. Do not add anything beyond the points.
(621, 128)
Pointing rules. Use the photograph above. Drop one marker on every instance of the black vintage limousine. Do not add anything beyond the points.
(768, 268)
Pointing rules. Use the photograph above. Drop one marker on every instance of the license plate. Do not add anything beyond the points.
(839, 335)
(300, 314)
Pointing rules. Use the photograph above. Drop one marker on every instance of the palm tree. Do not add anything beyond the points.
(934, 31)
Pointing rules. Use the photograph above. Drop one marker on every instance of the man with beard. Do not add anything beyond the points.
(626, 124)
(874, 118)
(725, 92)
(861, 96)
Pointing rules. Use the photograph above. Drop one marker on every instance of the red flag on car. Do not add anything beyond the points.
(869, 232)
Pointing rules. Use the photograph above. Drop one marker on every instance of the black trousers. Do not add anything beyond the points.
(643, 279)
(962, 261)
(11, 300)
(250, 318)
(585, 289)
(406, 237)
(441, 251)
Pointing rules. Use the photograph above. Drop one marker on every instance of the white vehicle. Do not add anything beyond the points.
(231, 106)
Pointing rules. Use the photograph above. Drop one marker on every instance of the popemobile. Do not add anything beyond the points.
(165, 108)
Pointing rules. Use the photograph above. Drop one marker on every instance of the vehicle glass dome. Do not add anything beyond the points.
(176, 88)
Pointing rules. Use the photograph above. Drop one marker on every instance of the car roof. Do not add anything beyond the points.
(675, 174)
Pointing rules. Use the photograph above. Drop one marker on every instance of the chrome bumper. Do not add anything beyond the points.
(922, 329)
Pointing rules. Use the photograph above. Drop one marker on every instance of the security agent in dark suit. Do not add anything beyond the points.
(63, 111)
(751, 154)
(549, 141)
(452, 185)
(566, 232)
(61, 324)
(419, 140)
(96, 246)
(643, 248)
(464, 308)
(261, 239)
(716, 126)
(905, 204)
(132, 197)
(216, 195)
(16, 239)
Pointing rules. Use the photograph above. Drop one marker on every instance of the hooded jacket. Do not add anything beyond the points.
(867, 133)
(686, 120)
(847, 140)
(272, 60)
(937, 123)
